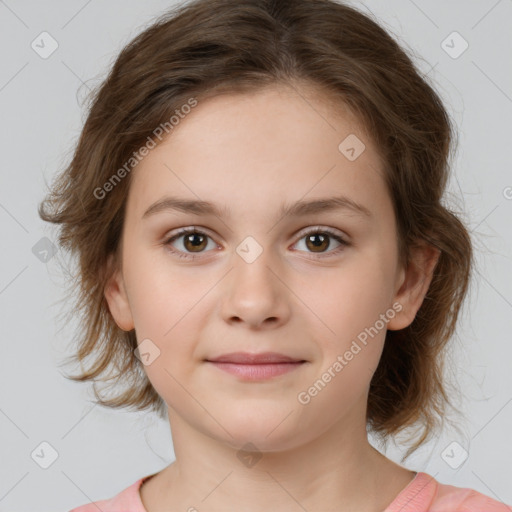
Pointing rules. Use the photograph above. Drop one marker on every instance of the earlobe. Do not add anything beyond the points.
(415, 281)
(116, 297)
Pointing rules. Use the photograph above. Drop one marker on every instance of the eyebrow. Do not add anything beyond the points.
(299, 208)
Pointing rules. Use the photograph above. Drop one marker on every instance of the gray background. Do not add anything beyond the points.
(100, 452)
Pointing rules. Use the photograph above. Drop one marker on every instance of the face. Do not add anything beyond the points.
(319, 285)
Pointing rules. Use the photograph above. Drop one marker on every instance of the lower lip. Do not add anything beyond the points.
(257, 371)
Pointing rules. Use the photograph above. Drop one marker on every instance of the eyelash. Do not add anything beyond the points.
(323, 231)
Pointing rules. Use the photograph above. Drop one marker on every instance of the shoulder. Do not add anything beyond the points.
(450, 498)
(127, 500)
(425, 494)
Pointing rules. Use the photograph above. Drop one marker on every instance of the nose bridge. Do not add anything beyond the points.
(255, 293)
(252, 266)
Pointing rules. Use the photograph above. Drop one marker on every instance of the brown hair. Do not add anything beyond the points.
(210, 47)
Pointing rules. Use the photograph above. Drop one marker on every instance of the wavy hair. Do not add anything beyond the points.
(205, 48)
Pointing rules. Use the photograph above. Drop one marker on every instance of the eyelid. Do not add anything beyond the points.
(176, 233)
(301, 233)
(322, 229)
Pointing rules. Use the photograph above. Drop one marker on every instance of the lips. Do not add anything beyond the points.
(256, 367)
(251, 359)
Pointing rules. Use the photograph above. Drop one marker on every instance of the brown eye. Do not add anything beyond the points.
(195, 242)
(192, 241)
(317, 242)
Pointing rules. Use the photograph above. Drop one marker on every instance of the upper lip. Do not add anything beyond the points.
(248, 358)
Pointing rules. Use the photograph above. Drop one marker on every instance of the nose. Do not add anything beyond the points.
(255, 294)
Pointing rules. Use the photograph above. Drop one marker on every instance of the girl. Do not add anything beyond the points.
(255, 203)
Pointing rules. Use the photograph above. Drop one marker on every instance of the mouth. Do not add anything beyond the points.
(256, 366)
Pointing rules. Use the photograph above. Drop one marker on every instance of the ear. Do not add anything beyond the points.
(117, 299)
(412, 285)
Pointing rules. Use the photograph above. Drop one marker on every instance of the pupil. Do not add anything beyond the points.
(320, 242)
(193, 239)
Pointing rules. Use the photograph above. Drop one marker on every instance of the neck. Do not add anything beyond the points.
(337, 470)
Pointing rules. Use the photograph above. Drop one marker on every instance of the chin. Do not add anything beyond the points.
(268, 433)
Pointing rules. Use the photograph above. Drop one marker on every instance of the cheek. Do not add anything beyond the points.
(159, 295)
(356, 293)
(353, 303)
(167, 309)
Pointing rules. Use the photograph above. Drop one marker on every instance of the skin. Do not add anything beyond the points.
(250, 153)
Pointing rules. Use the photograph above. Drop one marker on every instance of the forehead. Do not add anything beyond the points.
(259, 150)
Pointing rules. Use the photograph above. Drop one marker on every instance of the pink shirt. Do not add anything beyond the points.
(422, 494)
